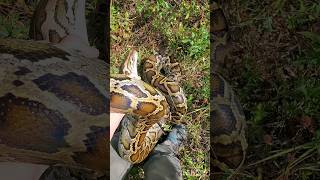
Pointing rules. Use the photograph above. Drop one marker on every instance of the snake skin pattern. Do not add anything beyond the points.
(159, 100)
(63, 22)
(52, 98)
(228, 142)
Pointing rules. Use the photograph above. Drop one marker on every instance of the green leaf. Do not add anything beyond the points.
(312, 36)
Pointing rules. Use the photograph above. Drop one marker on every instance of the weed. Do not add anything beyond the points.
(277, 80)
(10, 26)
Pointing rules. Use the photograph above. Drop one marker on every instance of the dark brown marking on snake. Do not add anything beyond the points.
(230, 154)
(172, 71)
(119, 101)
(218, 29)
(141, 139)
(22, 71)
(159, 84)
(148, 124)
(75, 89)
(134, 157)
(220, 22)
(221, 51)
(149, 75)
(30, 125)
(224, 120)
(37, 20)
(218, 86)
(54, 37)
(121, 77)
(174, 88)
(148, 65)
(145, 108)
(17, 83)
(57, 10)
(31, 50)
(96, 155)
(163, 112)
(133, 89)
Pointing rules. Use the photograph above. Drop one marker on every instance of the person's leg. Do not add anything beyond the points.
(119, 167)
(163, 163)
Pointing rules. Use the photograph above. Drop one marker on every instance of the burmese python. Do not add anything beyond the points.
(157, 100)
(53, 96)
(228, 142)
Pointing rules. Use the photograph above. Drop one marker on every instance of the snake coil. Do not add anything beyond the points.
(159, 99)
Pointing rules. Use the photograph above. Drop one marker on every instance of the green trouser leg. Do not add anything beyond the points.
(162, 164)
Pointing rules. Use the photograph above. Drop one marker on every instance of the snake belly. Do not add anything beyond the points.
(52, 106)
(228, 141)
(154, 102)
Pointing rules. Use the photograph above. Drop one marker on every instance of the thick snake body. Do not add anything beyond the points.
(53, 106)
(168, 84)
(53, 98)
(156, 100)
(228, 142)
(135, 97)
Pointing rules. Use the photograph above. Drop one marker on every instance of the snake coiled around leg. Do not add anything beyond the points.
(160, 101)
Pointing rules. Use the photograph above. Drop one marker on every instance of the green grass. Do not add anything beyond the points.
(10, 26)
(277, 80)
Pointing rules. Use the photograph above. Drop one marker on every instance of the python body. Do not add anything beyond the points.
(53, 96)
(228, 142)
(162, 102)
